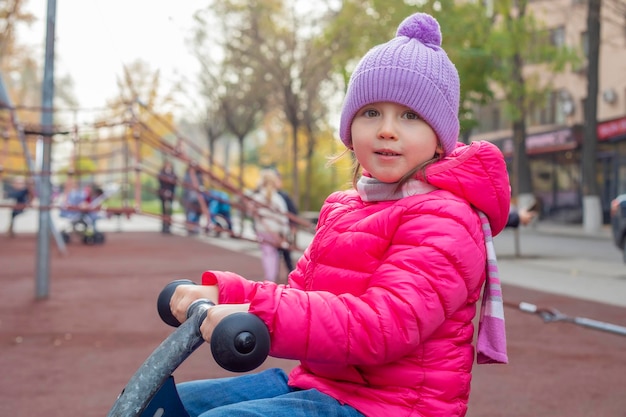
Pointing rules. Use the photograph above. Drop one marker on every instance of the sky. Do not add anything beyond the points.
(95, 38)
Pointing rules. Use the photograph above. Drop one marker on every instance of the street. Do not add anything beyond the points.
(589, 268)
(536, 241)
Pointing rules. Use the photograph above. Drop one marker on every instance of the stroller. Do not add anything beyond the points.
(82, 211)
(218, 203)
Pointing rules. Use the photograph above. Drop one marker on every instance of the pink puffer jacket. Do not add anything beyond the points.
(379, 309)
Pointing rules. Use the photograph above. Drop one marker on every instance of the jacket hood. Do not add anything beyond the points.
(476, 172)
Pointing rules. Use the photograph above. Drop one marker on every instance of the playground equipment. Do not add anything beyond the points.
(552, 315)
(126, 145)
(127, 149)
(240, 343)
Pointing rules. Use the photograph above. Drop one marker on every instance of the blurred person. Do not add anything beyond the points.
(94, 197)
(292, 208)
(520, 217)
(167, 191)
(192, 191)
(218, 204)
(270, 222)
(523, 216)
(73, 196)
(21, 190)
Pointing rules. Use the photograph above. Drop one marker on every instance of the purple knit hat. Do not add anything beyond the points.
(412, 70)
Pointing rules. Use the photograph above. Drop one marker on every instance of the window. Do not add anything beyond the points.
(584, 43)
(491, 117)
(488, 5)
(557, 36)
(543, 113)
(495, 119)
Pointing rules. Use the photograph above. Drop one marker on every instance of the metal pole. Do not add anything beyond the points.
(44, 145)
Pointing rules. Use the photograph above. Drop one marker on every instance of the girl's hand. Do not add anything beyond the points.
(184, 295)
(215, 314)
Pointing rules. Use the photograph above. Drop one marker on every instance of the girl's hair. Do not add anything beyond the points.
(268, 183)
(421, 169)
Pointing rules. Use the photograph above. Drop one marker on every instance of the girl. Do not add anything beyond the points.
(380, 306)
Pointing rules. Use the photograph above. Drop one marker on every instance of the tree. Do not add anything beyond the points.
(276, 46)
(242, 115)
(139, 83)
(12, 14)
(22, 75)
(211, 87)
(466, 29)
(300, 78)
(592, 213)
(215, 120)
(287, 50)
(232, 81)
(523, 49)
(313, 116)
(141, 99)
(510, 39)
(23, 80)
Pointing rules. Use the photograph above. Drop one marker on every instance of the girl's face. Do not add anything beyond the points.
(390, 139)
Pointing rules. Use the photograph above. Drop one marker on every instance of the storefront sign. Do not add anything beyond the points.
(538, 143)
(612, 129)
(559, 140)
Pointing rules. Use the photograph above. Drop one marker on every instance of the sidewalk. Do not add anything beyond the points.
(570, 230)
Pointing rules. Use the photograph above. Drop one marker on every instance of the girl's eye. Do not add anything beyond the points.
(370, 113)
(411, 115)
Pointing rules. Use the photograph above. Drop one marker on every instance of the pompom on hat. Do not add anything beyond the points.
(412, 70)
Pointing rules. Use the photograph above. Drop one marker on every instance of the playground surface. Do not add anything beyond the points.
(72, 353)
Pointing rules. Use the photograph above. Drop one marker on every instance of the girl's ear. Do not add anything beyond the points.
(439, 151)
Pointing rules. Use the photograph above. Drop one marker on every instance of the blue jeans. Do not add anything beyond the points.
(264, 394)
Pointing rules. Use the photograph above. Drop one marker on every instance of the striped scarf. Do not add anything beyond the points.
(491, 339)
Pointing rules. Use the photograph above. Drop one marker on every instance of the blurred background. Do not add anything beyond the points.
(100, 94)
(236, 86)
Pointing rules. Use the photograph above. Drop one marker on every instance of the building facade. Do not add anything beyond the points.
(555, 130)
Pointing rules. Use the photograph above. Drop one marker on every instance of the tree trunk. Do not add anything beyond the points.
(522, 184)
(211, 156)
(522, 187)
(592, 213)
(241, 162)
(294, 162)
(308, 172)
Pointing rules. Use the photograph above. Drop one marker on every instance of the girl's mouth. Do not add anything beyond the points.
(387, 153)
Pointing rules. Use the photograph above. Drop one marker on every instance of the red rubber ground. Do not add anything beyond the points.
(71, 354)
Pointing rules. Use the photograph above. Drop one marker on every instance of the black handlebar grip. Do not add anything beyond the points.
(240, 342)
(163, 302)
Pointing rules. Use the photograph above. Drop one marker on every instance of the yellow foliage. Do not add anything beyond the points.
(12, 156)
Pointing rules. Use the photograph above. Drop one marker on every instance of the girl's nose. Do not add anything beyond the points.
(387, 129)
